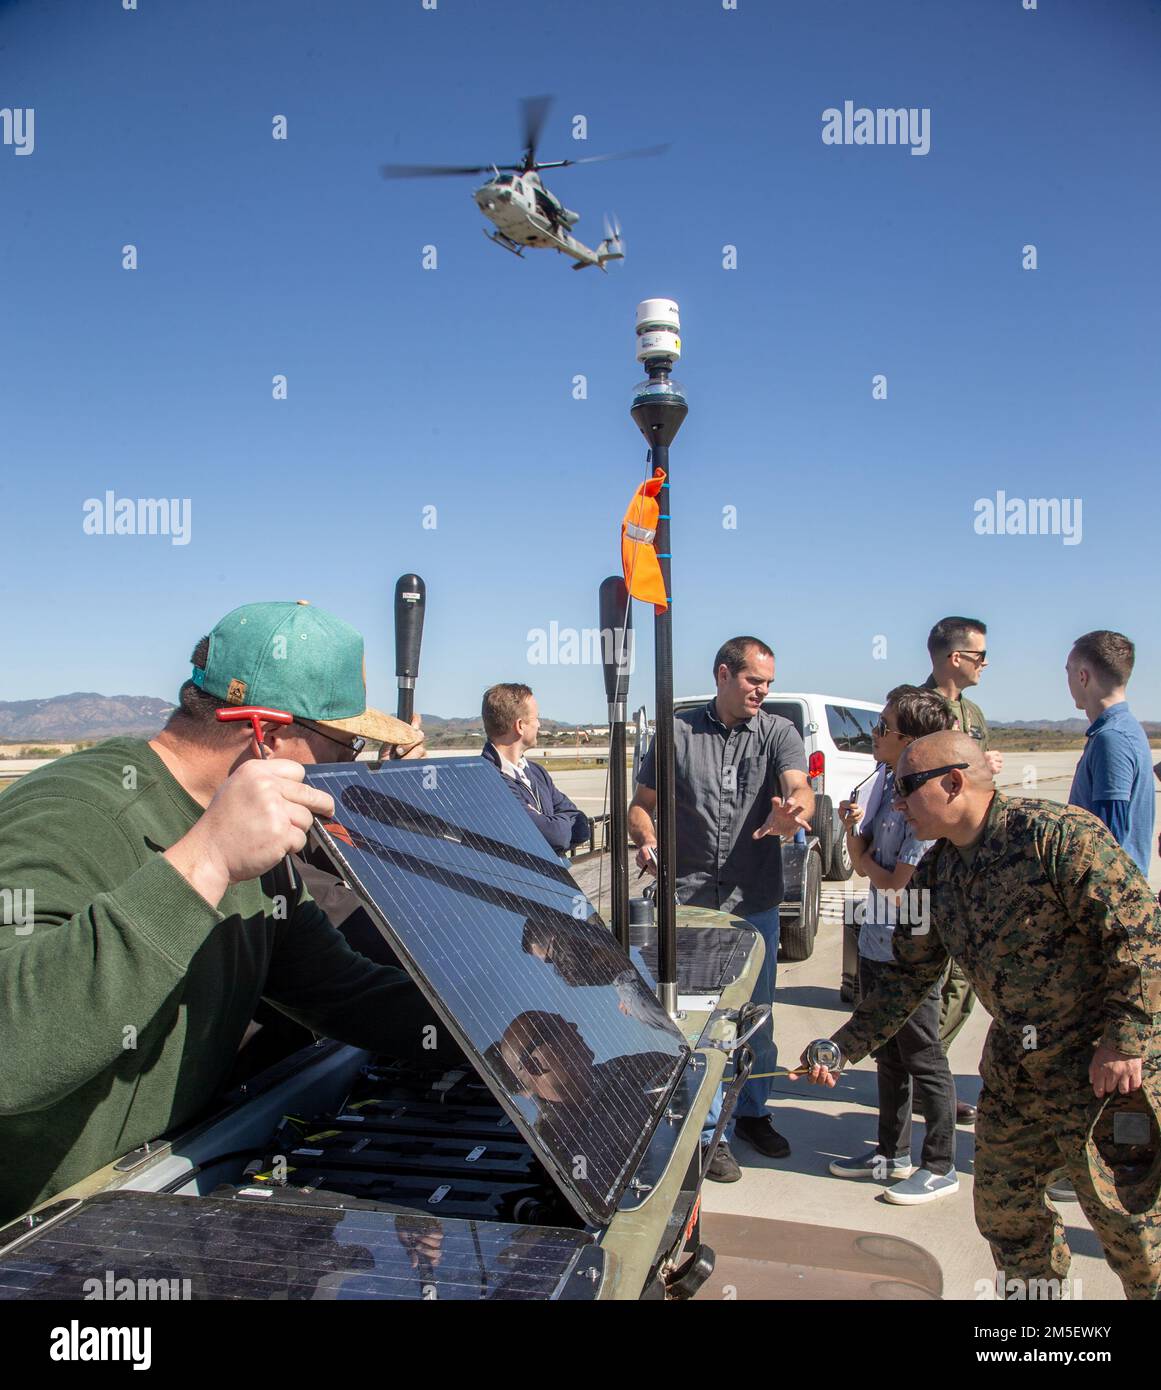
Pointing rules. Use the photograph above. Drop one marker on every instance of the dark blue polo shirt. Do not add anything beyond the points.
(1114, 780)
(724, 781)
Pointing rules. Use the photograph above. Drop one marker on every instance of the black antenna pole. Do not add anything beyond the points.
(617, 659)
(659, 408)
(410, 602)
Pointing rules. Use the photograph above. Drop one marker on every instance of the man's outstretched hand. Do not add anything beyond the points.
(785, 818)
(820, 1075)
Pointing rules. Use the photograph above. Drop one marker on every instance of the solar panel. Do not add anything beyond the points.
(513, 956)
(708, 958)
(178, 1248)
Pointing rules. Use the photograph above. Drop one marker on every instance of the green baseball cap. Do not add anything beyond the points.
(301, 659)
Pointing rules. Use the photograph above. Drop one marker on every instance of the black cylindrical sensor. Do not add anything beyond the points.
(410, 601)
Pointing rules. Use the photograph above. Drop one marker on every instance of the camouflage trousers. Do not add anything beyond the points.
(1024, 1137)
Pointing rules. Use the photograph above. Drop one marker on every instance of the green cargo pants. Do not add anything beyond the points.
(958, 1000)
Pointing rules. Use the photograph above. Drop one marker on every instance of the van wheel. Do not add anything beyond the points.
(796, 938)
(822, 826)
(841, 864)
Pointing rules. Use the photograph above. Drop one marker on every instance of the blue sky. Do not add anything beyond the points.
(452, 388)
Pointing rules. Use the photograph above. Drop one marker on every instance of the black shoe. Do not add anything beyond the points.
(965, 1114)
(760, 1132)
(723, 1167)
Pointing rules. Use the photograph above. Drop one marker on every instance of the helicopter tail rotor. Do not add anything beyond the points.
(613, 246)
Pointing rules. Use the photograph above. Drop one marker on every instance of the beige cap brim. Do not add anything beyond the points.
(377, 727)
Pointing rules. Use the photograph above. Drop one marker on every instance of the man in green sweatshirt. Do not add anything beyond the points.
(151, 923)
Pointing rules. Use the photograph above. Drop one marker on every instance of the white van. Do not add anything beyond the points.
(836, 732)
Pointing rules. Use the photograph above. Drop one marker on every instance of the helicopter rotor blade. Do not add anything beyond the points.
(604, 158)
(535, 112)
(423, 171)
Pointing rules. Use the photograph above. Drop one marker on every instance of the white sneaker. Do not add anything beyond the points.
(873, 1165)
(923, 1186)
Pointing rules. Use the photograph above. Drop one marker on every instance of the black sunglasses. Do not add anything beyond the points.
(912, 781)
(354, 745)
(981, 657)
(882, 729)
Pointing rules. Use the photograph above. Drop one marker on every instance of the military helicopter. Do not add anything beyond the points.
(522, 209)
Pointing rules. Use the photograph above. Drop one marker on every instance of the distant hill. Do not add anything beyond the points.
(87, 715)
(1063, 726)
(82, 715)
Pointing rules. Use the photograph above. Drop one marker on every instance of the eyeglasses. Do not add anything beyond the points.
(354, 746)
(979, 657)
(526, 1059)
(912, 781)
(882, 729)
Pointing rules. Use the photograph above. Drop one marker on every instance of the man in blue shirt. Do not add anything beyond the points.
(1113, 776)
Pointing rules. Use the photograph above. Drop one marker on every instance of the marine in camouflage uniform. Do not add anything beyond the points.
(958, 998)
(1058, 932)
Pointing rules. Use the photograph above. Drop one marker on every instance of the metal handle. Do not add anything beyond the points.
(762, 1012)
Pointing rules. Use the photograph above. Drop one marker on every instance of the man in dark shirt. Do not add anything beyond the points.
(157, 924)
(512, 724)
(740, 785)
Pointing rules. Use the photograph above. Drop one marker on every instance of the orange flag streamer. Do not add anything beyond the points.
(639, 560)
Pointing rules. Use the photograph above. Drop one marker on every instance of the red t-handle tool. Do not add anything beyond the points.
(257, 715)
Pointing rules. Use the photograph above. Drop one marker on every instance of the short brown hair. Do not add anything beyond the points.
(503, 705)
(735, 653)
(920, 712)
(1110, 654)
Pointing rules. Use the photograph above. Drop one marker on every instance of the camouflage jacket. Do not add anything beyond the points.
(969, 718)
(1054, 926)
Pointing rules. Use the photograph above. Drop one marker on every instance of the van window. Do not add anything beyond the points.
(788, 709)
(850, 728)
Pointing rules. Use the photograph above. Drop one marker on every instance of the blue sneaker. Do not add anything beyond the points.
(873, 1165)
(923, 1186)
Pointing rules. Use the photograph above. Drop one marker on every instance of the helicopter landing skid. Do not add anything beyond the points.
(506, 242)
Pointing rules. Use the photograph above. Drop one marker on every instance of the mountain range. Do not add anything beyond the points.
(87, 715)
